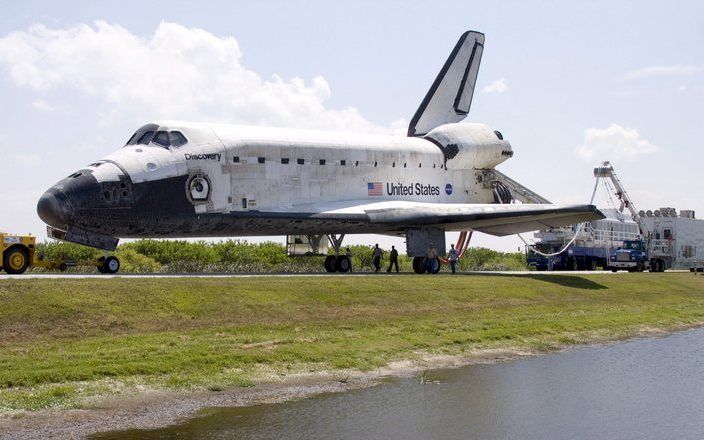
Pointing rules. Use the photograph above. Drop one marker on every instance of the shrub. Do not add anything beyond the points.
(60, 250)
(133, 262)
(168, 251)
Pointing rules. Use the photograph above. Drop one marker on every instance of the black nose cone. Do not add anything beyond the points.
(50, 211)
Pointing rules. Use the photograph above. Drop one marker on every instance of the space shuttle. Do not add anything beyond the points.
(177, 179)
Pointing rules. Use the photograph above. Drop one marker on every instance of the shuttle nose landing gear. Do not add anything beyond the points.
(108, 265)
(337, 262)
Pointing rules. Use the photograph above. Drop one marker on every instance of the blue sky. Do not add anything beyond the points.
(568, 84)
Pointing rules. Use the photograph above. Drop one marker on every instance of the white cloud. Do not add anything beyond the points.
(176, 73)
(613, 143)
(498, 86)
(42, 106)
(655, 71)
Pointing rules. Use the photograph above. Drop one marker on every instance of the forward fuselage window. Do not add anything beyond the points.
(146, 138)
(161, 138)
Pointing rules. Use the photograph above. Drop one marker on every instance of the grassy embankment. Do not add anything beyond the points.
(64, 342)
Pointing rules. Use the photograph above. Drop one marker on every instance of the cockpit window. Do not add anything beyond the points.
(143, 135)
(176, 138)
(161, 138)
(146, 138)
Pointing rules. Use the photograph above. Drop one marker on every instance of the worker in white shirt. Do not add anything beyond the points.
(452, 253)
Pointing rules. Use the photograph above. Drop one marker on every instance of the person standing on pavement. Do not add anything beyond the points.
(393, 259)
(348, 254)
(452, 253)
(377, 258)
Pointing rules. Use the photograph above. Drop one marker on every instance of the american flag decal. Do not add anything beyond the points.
(374, 188)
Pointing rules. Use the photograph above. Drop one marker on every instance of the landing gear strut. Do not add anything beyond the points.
(337, 262)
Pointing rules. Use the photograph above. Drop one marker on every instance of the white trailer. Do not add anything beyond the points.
(679, 239)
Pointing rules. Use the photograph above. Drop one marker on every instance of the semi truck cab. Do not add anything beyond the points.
(632, 256)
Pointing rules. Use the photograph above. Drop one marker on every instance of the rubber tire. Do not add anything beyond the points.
(640, 267)
(614, 270)
(330, 264)
(419, 265)
(99, 266)
(436, 266)
(343, 264)
(14, 251)
(111, 265)
(654, 266)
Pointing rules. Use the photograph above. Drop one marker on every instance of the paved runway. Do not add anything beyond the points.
(68, 276)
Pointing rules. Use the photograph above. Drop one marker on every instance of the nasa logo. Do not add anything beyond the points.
(448, 189)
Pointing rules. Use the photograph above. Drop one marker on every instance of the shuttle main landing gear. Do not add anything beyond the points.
(424, 265)
(337, 262)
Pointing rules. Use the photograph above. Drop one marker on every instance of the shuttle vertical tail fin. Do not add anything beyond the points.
(450, 96)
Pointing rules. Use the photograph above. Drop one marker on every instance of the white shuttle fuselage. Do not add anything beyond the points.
(278, 170)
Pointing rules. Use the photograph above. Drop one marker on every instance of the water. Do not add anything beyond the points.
(643, 389)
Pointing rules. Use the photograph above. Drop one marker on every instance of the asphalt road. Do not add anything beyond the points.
(30, 276)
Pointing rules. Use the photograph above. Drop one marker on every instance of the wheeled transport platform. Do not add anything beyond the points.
(19, 254)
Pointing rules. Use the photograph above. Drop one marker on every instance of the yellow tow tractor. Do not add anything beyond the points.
(18, 254)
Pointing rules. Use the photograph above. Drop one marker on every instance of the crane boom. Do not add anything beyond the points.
(606, 170)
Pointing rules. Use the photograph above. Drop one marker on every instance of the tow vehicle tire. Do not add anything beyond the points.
(16, 260)
(419, 265)
(330, 263)
(640, 266)
(614, 270)
(343, 264)
(111, 265)
(432, 265)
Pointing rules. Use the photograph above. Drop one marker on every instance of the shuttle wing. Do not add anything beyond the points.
(492, 219)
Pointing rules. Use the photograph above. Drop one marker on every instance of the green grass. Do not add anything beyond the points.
(65, 342)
